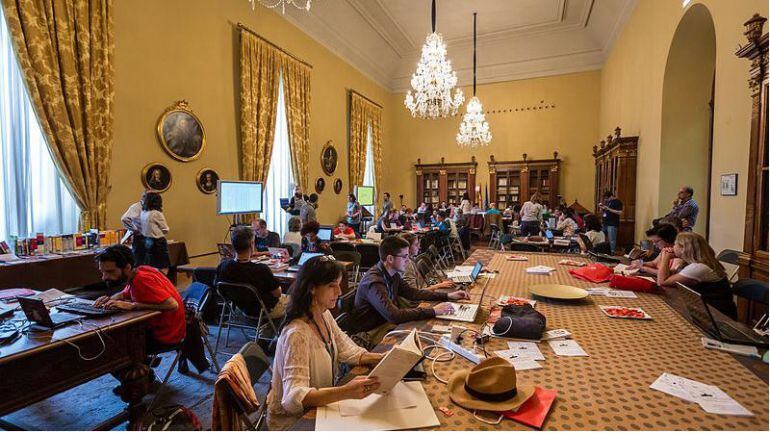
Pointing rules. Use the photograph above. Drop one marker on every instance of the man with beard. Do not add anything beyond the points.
(143, 288)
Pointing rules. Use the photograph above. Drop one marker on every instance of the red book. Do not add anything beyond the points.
(534, 411)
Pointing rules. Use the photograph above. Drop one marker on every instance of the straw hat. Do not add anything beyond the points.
(490, 385)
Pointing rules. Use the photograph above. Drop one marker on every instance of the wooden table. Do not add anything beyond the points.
(39, 365)
(609, 390)
(69, 271)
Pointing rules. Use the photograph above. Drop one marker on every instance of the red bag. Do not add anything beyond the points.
(595, 273)
(634, 284)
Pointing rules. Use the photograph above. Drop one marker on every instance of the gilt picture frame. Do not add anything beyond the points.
(181, 132)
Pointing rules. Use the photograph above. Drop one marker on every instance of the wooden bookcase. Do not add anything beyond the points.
(445, 181)
(517, 181)
(615, 160)
(754, 259)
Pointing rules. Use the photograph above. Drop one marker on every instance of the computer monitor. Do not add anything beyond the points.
(365, 195)
(239, 197)
(325, 234)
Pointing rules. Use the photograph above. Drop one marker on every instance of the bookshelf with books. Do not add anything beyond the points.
(445, 181)
(517, 181)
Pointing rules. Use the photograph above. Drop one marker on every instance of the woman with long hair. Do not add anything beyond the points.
(702, 271)
(312, 346)
(154, 229)
(531, 216)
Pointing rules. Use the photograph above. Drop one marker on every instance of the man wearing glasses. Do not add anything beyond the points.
(377, 307)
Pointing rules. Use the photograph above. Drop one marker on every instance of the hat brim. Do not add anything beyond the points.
(460, 396)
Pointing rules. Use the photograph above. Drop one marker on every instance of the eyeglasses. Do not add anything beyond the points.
(405, 256)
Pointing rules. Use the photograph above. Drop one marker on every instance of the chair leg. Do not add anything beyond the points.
(162, 387)
(212, 353)
(219, 331)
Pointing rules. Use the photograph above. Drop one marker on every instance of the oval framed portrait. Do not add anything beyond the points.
(320, 184)
(329, 158)
(206, 180)
(338, 186)
(156, 176)
(181, 132)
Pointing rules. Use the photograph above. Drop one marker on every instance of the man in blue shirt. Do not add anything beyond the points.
(443, 225)
(685, 209)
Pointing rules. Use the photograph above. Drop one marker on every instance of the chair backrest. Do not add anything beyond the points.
(342, 246)
(424, 266)
(348, 256)
(753, 290)
(370, 254)
(292, 248)
(205, 274)
(226, 251)
(257, 361)
(243, 296)
(494, 227)
(345, 302)
(728, 256)
(197, 296)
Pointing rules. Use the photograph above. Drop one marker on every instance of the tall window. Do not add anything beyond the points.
(369, 167)
(33, 197)
(280, 181)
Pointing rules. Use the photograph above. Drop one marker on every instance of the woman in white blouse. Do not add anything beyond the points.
(154, 229)
(465, 205)
(311, 346)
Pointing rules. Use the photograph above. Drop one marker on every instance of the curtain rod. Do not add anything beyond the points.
(242, 27)
(359, 94)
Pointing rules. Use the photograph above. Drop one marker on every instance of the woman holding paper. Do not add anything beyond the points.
(311, 346)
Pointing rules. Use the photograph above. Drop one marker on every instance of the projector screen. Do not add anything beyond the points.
(365, 195)
(239, 197)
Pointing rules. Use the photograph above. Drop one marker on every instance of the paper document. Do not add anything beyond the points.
(709, 397)
(524, 349)
(622, 269)
(397, 398)
(53, 295)
(620, 294)
(738, 349)
(397, 363)
(566, 348)
(518, 363)
(555, 334)
(540, 270)
(421, 414)
(598, 291)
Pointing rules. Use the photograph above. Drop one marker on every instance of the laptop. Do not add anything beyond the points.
(703, 315)
(325, 234)
(36, 311)
(469, 278)
(279, 253)
(302, 259)
(465, 312)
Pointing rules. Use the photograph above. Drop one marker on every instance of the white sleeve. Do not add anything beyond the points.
(160, 220)
(347, 350)
(132, 214)
(296, 372)
(696, 271)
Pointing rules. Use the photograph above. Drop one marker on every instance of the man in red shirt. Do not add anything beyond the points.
(144, 288)
(343, 231)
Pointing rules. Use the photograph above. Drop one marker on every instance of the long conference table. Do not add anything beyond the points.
(610, 389)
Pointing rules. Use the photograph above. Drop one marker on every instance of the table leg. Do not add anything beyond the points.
(134, 386)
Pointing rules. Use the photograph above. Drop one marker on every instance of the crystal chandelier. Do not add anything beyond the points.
(434, 80)
(282, 3)
(474, 129)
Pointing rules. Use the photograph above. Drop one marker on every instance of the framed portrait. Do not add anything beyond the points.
(320, 184)
(156, 176)
(181, 132)
(206, 180)
(728, 184)
(329, 158)
(338, 186)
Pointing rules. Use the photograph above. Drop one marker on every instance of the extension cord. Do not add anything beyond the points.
(460, 350)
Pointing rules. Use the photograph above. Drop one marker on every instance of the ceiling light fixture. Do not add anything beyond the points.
(474, 129)
(434, 80)
(282, 3)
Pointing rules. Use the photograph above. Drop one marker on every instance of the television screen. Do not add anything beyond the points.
(239, 197)
(365, 195)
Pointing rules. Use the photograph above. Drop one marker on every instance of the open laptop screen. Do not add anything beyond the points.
(325, 234)
(307, 256)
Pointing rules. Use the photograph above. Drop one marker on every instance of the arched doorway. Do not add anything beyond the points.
(686, 127)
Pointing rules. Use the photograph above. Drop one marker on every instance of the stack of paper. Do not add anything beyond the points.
(556, 334)
(709, 397)
(522, 355)
(610, 293)
(567, 348)
(738, 349)
(540, 270)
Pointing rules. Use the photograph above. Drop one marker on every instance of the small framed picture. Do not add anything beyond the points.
(728, 184)
(156, 176)
(206, 180)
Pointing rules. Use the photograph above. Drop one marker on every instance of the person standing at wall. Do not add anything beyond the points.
(611, 209)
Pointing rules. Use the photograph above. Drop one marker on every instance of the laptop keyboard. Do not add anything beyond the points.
(732, 333)
(84, 308)
(462, 279)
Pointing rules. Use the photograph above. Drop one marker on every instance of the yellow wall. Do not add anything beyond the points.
(570, 129)
(186, 49)
(632, 93)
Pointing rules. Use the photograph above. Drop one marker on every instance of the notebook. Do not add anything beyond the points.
(534, 411)
(397, 363)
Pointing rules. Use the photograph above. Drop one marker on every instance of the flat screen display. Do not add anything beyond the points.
(365, 195)
(239, 197)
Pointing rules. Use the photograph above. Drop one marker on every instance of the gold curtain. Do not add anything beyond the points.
(259, 104)
(65, 51)
(362, 114)
(296, 86)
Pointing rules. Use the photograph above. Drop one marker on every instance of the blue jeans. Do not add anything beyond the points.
(612, 236)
